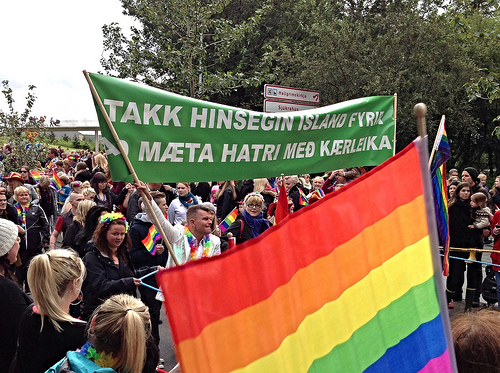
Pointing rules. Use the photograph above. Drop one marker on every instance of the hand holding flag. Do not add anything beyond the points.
(150, 240)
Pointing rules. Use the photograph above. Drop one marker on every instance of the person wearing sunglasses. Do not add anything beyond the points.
(26, 175)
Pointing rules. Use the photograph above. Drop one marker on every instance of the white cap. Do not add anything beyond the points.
(8, 236)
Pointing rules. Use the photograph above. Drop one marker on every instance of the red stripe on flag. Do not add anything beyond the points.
(311, 230)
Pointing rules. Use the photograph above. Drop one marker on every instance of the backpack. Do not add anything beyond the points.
(489, 288)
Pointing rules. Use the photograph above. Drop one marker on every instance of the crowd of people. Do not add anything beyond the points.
(74, 256)
(474, 218)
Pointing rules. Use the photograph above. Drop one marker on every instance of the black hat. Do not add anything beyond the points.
(473, 173)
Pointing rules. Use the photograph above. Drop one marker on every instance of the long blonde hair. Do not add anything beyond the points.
(82, 210)
(260, 184)
(121, 326)
(49, 276)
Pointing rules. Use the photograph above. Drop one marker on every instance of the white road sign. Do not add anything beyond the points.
(275, 106)
(291, 94)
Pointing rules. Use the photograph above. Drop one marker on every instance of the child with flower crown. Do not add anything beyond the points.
(192, 241)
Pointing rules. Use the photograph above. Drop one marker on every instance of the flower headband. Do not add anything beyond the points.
(254, 194)
(106, 219)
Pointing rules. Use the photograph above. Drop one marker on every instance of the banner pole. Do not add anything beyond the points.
(127, 162)
(421, 111)
(395, 127)
(441, 123)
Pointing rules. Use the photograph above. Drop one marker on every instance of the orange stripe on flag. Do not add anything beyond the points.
(313, 287)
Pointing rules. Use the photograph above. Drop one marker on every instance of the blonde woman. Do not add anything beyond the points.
(14, 180)
(118, 339)
(100, 164)
(47, 330)
(33, 220)
(74, 231)
(89, 193)
(263, 187)
(250, 223)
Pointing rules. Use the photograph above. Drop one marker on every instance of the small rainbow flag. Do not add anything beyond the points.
(318, 193)
(318, 310)
(438, 173)
(56, 182)
(150, 240)
(303, 200)
(36, 175)
(228, 220)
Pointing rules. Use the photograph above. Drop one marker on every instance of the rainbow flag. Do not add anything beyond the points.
(303, 200)
(150, 240)
(36, 175)
(318, 193)
(228, 220)
(56, 182)
(364, 296)
(441, 148)
(440, 191)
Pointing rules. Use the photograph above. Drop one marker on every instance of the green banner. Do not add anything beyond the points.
(170, 138)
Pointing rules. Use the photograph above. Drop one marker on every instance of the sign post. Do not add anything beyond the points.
(282, 99)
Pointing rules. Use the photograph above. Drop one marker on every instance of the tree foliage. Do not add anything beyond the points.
(23, 131)
(427, 51)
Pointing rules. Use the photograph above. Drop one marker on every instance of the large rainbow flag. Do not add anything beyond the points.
(334, 288)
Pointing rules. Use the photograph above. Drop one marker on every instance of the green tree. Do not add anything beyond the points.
(224, 51)
(23, 131)
(411, 48)
(186, 46)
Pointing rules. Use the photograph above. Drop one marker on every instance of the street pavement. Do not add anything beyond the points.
(167, 352)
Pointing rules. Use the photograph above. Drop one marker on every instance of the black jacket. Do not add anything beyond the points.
(240, 230)
(73, 238)
(83, 175)
(226, 203)
(138, 253)
(104, 279)
(112, 199)
(37, 233)
(459, 219)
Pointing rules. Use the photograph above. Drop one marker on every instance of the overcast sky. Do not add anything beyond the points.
(48, 44)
